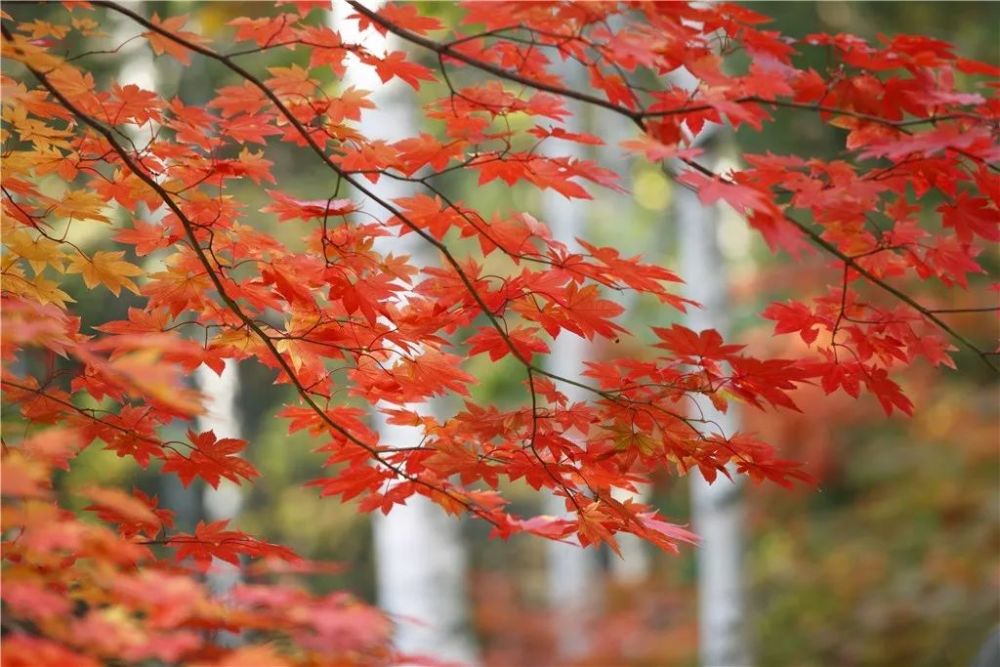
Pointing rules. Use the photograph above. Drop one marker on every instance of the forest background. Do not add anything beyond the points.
(892, 559)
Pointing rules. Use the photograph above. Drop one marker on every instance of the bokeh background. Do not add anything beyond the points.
(891, 560)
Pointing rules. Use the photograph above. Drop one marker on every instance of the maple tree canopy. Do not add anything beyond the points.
(901, 217)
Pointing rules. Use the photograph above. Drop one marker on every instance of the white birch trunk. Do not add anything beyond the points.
(420, 559)
(221, 417)
(140, 69)
(634, 565)
(219, 390)
(574, 573)
(421, 571)
(717, 508)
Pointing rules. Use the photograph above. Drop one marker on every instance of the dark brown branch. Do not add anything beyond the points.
(361, 187)
(638, 118)
(189, 229)
(850, 261)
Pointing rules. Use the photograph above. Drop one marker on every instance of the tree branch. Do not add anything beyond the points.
(638, 118)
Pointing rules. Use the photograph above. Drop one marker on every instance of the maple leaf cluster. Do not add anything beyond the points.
(912, 199)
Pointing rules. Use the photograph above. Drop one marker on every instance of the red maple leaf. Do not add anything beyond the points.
(211, 459)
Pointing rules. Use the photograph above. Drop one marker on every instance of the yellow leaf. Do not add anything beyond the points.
(72, 82)
(21, 49)
(89, 27)
(106, 268)
(31, 129)
(237, 340)
(293, 349)
(38, 288)
(40, 29)
(39, 252)
(81, 205)
(48, 291)
(161, 44)
(20, 163)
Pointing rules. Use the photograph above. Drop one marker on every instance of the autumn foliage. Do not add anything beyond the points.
(902, 215)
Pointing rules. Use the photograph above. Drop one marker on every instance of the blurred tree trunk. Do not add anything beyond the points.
(989, 652)
(420, 559)
(717, 508)
(574, 574)
(222, 418)
(634, 565)
(140, 69)
(421, 571)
